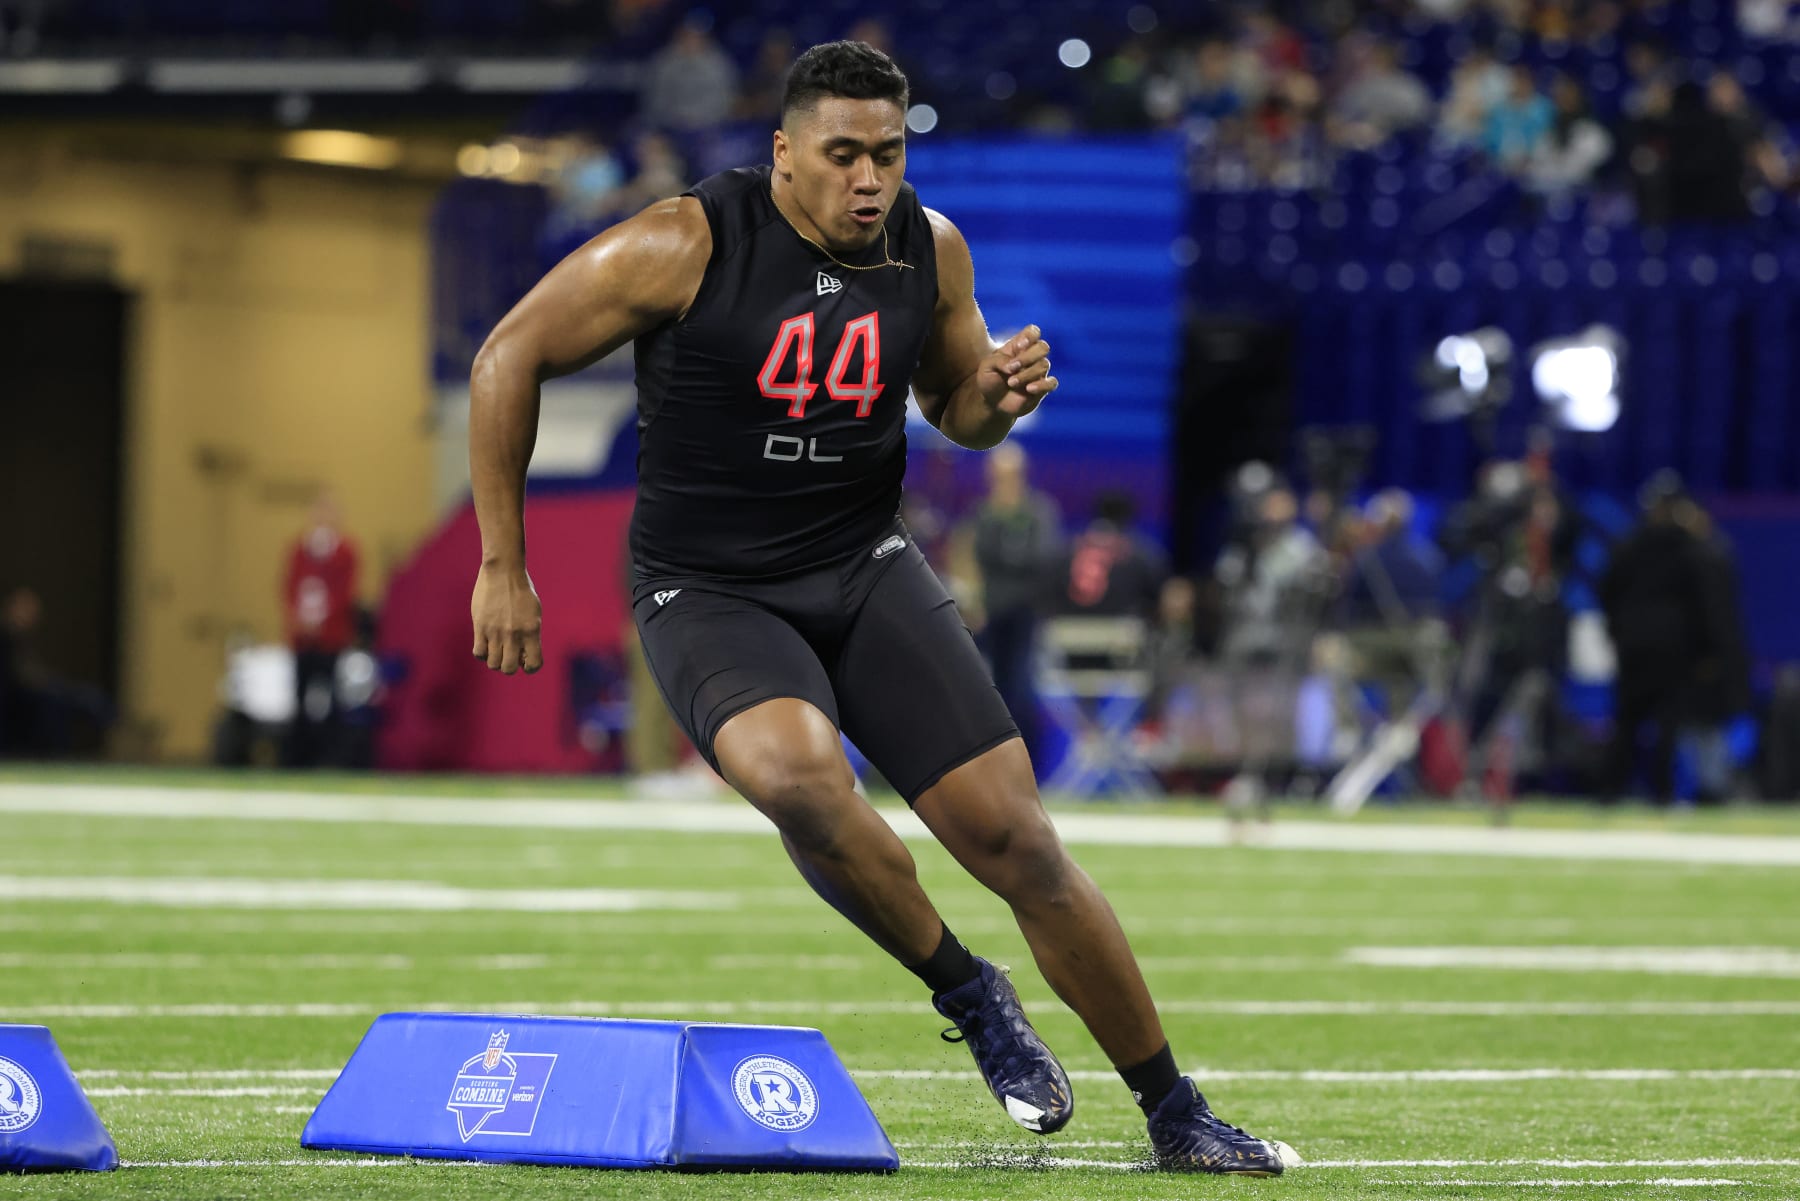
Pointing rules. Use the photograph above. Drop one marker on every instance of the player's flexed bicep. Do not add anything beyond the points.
(970, 388)
(624, 282)
(627, 280)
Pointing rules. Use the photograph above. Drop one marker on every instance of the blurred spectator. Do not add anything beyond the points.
(1653, 77)
(1111, 569)
(873, 31)
(1521, 537)
(1270, 582)
(39, 710)
(22, 26)
(1214, 93)
(1379, 99)
(1478, 85)
(1722, 683)
(1276, 578)
(1705, 160)
(630, 18)
(1116, 102)
(22, 676)
(319, 600)
(1173, 643)
(1286, 146)
(585, 191)
(691, 83)
(660, 172)
(1390, 603)
(1655, 595)
(1780, 737)
(1576, 146)
(1519, 124)
(1768, 20)
(1014, 536)
(1394, 573)
(760, 99)
(1276, 47)
(1442, 10)
(1603, 20)
(1764, 158)
(1554, 21)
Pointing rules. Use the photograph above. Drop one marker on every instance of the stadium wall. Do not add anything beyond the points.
(279, 346)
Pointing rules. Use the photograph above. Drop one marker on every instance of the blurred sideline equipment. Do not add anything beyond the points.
(47, 1123)
(1094, 680)
(600, 1092)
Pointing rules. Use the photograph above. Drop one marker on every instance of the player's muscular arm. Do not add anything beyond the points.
(966, 385)
(623, 283)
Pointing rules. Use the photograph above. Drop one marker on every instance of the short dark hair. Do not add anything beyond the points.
(854, 70)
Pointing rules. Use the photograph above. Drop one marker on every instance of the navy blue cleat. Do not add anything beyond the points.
(1187, 1137)
(1019, 1069)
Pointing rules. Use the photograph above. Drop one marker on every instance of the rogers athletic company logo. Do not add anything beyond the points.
(775, 1093)
(21, 1101)
(890, 546)
(497, 1092)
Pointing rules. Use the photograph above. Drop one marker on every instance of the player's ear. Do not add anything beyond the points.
(782, 153)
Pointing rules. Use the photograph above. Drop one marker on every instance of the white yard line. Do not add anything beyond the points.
(318, 1162)
(1412, 1076)
(223, 893)
(1658, 1181)
(210, 1074)
(254, 1091)
(198, 961)
(728, 817)
(806, 1007)
(980, 1155)
(1771, 962)
(1722, 1162)
(165, 1082)
(207, 960)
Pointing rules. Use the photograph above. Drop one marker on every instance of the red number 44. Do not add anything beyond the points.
(797, 332)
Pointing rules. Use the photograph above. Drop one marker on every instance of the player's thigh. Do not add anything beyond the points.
(714, 655)
(914, 693)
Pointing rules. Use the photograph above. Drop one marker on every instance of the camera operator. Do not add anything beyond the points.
(1522, 537)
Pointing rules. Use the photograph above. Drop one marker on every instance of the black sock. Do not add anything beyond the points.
(950, 966)
(1153, 1079)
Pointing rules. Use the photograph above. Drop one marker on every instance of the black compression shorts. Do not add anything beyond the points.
(874, 642)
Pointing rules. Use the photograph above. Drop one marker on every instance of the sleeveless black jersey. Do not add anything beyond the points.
(771, 418)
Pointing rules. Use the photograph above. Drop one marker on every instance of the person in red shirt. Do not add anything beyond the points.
(319, 607)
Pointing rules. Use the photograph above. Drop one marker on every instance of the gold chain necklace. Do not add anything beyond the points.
(887, 260)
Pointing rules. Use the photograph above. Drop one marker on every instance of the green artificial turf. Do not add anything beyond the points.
(1251, 951)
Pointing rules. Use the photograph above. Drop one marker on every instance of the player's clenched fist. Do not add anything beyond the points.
(1016, 377)
(507, 618)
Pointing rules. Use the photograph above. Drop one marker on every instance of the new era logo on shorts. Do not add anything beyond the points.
(663, 598)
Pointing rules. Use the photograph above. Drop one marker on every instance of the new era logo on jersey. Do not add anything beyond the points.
(663, 598)
(829, 283)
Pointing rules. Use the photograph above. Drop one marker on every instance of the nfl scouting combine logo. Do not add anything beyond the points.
(499, 1093)
(775, 1093)
(20, 1100)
